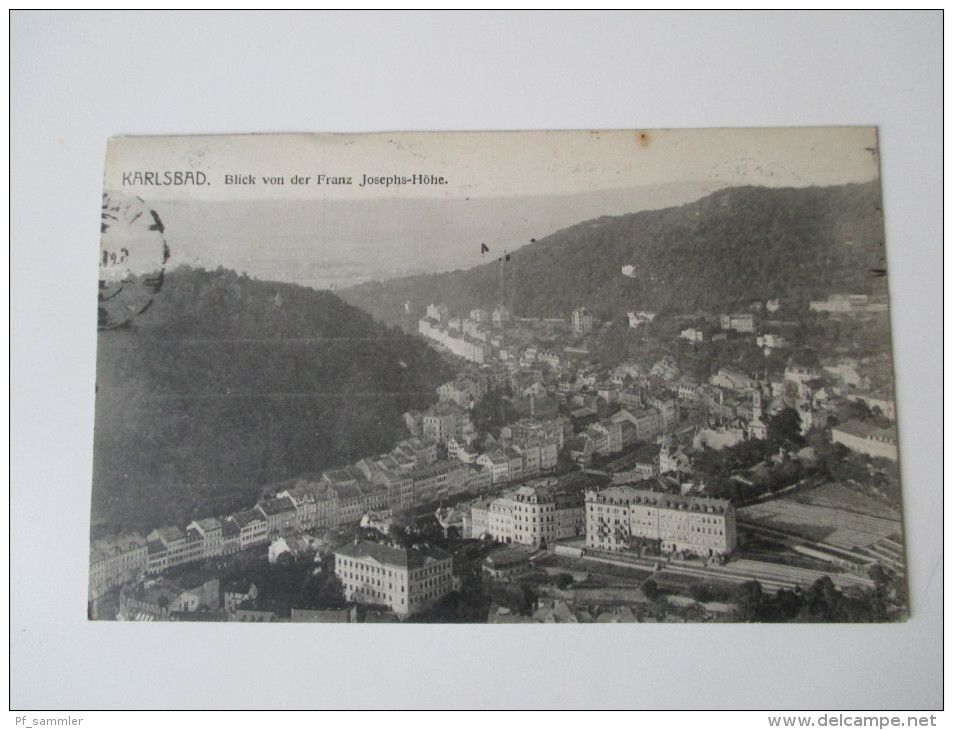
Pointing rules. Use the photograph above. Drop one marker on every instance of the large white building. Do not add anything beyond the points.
(460, 346)
(618, 517)
(867, 439)
(581, 321)
(849, 304)
(738, 322)
(405, 580)
(536, 514)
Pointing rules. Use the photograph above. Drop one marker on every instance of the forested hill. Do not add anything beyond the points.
(225, 384)
(730, 248)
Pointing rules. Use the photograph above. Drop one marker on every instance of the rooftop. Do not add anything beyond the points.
(276, 506)
(247, 517)
(865, 430)
(209, 523)
(415, 557)
(662, 500)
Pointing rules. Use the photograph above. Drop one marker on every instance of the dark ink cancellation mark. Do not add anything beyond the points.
(133, 254)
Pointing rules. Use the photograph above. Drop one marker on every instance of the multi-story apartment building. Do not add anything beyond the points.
(424, 449)
(599, 439)
(253, 528)
(799, 374)
(528, 429)
(442, 478)
(581, 321)
(461, 346)
(738, 322)
(407, 581)
(851, 304)
(305, 507)
(114, 561)
(169, 546)
(647, 422)
(535, 514)
(415, 422)
(456, 392)
(477, 523)
(515, 463)
(771, 341)
(617, 517)
(444, 421)
(399, 488)
(498, 465)
(665, 402)
(280, 515)
(478, 477)
(501, 316)
(609, 392)
(231, 537)
(211, 531)
(325, 505)
(613, 434)
(438, 312)
(530, 456)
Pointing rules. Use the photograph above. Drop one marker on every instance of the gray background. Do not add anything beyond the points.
(79, 78)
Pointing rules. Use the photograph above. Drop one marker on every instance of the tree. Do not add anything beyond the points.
(701, 592)
(879, 575)
(493, 411)
(750, 601)
(784, 428)
(563, 581)
(789, 604)
(650, 589)
(823, 602)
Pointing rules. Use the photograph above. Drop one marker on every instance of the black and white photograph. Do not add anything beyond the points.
(462, 337)
(528, 377)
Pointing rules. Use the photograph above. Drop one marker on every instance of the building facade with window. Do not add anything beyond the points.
(618, 518)
(407, 581)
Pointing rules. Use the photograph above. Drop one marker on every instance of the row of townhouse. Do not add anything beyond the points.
(115, 560)
(408, 455)
(458, 345)
(118, 560)
(285, 514)
(160, 599)
(623, 429)
(521, 460)
(408, 476)
(500, 316)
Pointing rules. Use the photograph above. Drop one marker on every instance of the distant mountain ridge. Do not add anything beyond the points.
(723, 251)
(226, 384)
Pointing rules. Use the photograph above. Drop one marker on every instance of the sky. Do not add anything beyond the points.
(502, 189)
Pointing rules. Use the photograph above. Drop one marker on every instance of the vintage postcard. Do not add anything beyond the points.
(510, 377)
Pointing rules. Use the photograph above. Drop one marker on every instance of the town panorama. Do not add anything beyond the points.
(587, 428)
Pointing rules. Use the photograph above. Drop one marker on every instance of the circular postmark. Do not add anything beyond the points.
(132, 257)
